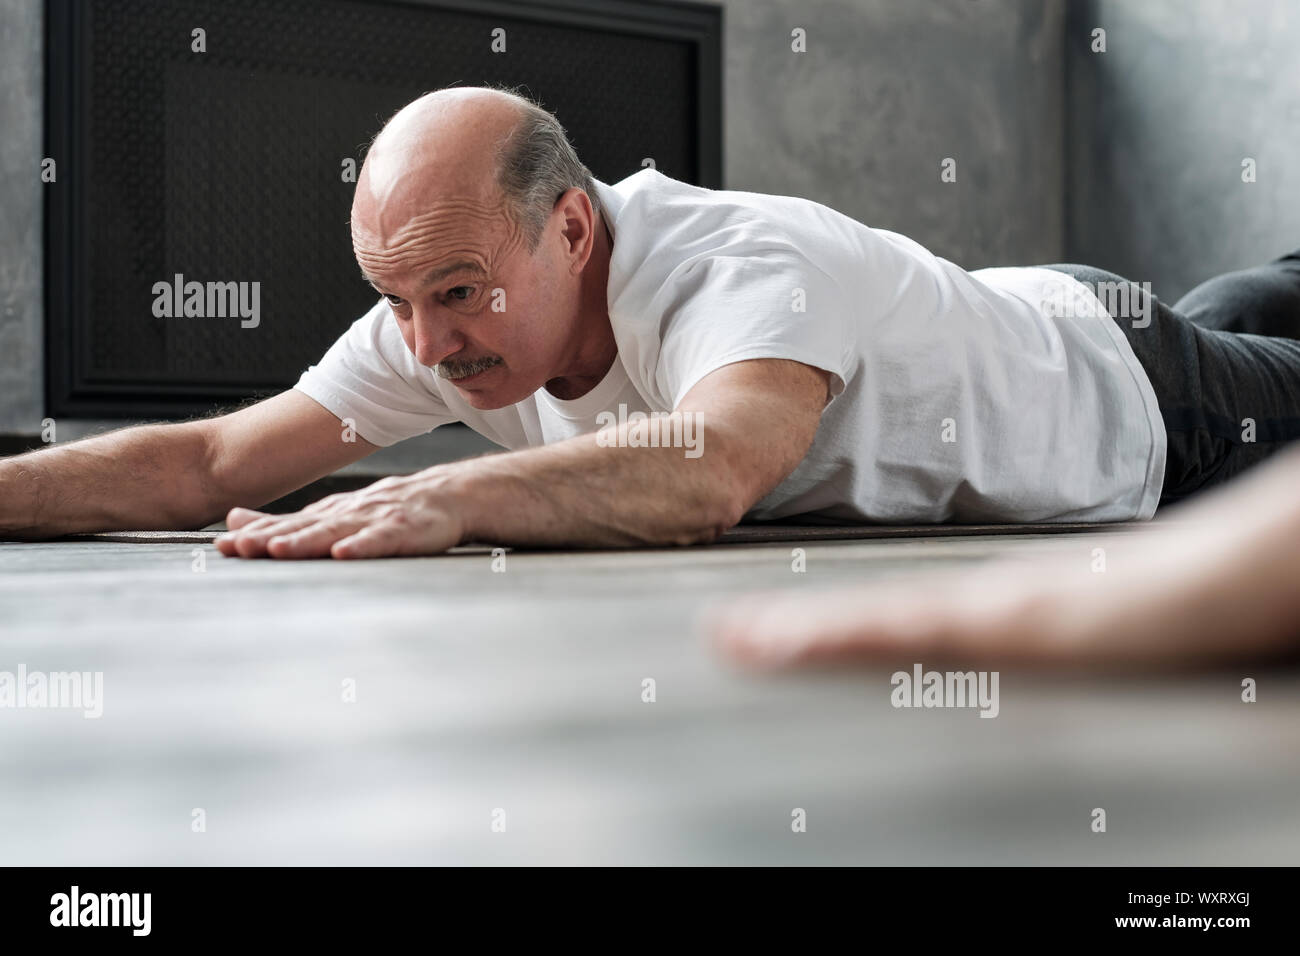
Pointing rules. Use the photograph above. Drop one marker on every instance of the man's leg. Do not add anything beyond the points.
(1264, 300)
(1228, 399)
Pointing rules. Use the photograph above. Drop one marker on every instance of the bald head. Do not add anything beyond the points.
(445, 144)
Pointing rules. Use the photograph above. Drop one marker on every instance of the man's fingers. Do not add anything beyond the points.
(351, 526)
(330, 502)
(315, 539)
(376, 541)
(768, 631)
(238, 517)
(250, 540)
(398, 535)
(999, 613)
(241, 540)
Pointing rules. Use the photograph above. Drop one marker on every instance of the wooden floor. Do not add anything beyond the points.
(479, 692)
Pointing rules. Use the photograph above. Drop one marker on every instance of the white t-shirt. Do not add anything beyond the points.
(956, 396)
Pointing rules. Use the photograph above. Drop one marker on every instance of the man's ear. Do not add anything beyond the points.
(579, 226)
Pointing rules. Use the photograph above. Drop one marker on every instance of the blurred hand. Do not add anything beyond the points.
(1188, 595)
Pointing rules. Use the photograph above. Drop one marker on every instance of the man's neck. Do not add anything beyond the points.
(597, 349)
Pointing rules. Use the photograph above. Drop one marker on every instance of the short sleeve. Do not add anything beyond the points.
(725, 309)
(369, 376)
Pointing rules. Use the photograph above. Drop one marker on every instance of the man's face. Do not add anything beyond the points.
(470, 300)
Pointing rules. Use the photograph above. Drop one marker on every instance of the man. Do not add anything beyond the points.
(833, 372)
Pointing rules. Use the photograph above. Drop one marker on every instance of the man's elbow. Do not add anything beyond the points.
(729, 493)
(710, 518)
(727, 517)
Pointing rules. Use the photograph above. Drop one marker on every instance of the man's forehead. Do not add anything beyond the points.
(438, 273)
(428, 226)
(433, 247)
(472, 217)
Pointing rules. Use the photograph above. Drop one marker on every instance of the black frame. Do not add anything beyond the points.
(67, 38)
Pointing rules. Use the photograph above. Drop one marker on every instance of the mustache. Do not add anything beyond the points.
(453, 370)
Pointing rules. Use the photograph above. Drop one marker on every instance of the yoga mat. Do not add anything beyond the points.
(741, 534)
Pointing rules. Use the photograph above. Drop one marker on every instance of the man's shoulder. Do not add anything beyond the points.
(649, 194)
(667, 230)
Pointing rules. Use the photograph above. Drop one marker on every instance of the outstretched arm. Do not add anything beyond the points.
(754, 421)
(173, 476)
(1217, 582)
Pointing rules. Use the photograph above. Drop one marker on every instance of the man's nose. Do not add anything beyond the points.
(435, 338)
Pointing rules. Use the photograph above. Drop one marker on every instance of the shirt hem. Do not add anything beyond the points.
(1153, 486)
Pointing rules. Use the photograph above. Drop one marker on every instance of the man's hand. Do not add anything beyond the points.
(758, 418)
(400, 516)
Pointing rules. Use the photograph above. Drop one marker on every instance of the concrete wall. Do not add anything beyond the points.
(1159, 126)
(21, 332)
(885, 92)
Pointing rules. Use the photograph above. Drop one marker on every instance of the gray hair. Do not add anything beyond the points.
(536, 165)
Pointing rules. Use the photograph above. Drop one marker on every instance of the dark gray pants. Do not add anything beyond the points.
(1224, 353)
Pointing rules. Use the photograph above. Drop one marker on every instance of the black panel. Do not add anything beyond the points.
(225, 166)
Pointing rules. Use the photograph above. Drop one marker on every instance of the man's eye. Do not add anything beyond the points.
(467, 289)
(392, 299)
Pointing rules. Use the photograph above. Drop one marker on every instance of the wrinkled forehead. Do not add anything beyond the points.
(460, 231)
(474, 222)
(417, 206)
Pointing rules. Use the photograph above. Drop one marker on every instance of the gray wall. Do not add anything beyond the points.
(886, 91)
(1159, 126)
(21, 79)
